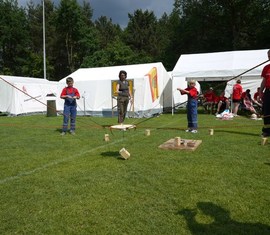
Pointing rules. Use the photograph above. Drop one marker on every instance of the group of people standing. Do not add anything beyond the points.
(70, 94)
(262, 97)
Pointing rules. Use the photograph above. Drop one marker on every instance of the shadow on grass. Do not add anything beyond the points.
(267, 163)
(58, 130)
(237, 132)
(114, 154)
(221, 222)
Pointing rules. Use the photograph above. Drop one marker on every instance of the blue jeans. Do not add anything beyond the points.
(192, 113)
(70, 111)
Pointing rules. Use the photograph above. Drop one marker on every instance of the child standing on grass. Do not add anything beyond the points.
(70, 94)
(192, 104)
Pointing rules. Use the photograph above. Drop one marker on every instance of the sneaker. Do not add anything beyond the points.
(188, 130)
(72, 132)
(194, 131)
(264, 134)
(63, 133)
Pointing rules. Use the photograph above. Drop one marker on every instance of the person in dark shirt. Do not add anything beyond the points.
(123, 97)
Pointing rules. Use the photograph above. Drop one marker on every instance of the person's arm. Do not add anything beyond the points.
(117, 88)
(77, 95)
(64, 94)
(262, 88)
(183, 91)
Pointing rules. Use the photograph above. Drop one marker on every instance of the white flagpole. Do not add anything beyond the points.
(44, 47)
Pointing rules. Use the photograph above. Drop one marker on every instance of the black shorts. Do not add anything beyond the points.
(236, 101)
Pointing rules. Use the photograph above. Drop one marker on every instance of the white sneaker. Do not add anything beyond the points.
(72, 132)
(194, 131)
(63, 133)
(188, 130)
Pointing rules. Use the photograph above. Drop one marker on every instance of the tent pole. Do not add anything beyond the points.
(172, 97)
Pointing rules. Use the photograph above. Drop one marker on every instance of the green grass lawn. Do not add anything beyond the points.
(52, 184)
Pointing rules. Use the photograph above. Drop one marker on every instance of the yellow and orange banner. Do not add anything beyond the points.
(153, 80)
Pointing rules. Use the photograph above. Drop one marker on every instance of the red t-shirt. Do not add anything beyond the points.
(237, 92)
(256, 95)
(192, 92)
(70, 90)
(210, 96)
(266, 74)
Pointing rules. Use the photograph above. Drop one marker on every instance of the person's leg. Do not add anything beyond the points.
(120, 109)
(227, 104)
(193, 122)
(235, 107)
(266, 113)
(65, 118)
(125, 104)
(73, 114)
(218, 106)
(189, 118)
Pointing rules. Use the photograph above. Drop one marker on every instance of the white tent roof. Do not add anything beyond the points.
(94, 84)
(111, 73)
(219, 65)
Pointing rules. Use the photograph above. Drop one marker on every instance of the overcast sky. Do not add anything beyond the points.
(118, 10)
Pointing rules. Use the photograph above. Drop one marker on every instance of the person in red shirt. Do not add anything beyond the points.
(256, 97)
(209, 100)
(236, 96)
(70, 94)
(192, 105)
(265, 97)
(223, 102)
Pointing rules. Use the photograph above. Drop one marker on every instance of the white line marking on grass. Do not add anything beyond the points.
(18, 176)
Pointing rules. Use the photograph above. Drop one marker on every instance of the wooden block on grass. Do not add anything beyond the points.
(124, 153)
(185, 145)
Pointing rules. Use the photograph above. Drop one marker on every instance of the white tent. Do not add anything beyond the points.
(22, 95)
(95, 87)
(220, 66)
(223, 66)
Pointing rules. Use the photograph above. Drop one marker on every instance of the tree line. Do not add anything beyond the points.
(74, 40)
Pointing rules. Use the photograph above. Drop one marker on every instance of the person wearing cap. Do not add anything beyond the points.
(265, 97)
(209, 100)
(236, 96)
(192, 104)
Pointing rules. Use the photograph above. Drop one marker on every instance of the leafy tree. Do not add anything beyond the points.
(35, 19)
(141, 32)
(14, 38)
(107, 31)
(116, 53)
(73, 36)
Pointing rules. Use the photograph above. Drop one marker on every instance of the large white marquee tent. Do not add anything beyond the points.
(22, 95)
(223, 66)
(95, 87)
